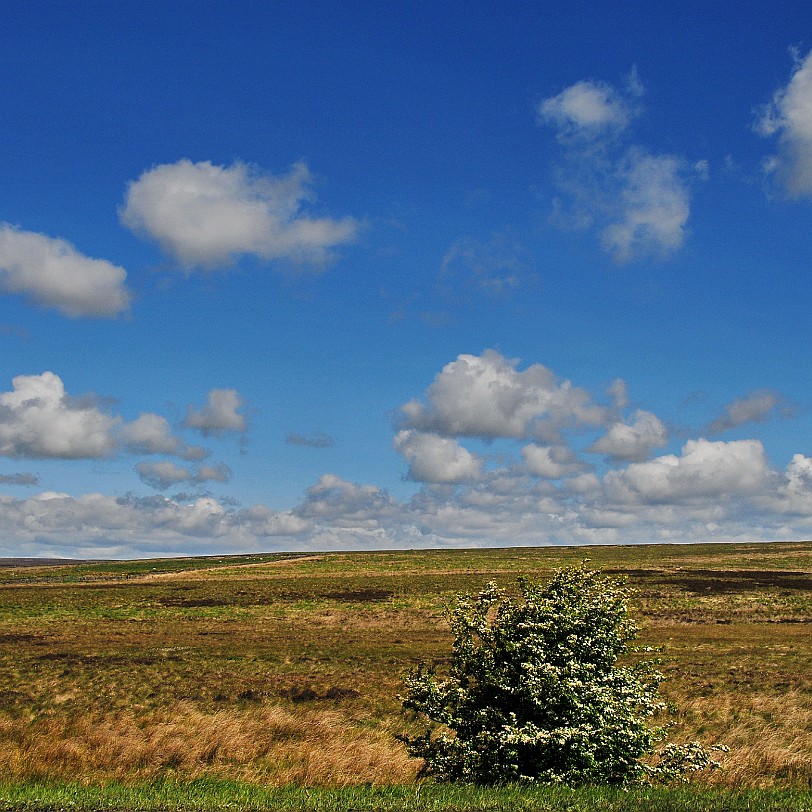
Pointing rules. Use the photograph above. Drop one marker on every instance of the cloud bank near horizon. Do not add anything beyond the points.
(588, 474)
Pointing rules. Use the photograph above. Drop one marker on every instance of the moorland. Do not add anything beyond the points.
(283, 670)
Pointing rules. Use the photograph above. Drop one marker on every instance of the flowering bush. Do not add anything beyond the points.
(535, 691)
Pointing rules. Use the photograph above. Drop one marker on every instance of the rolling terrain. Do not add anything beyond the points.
(285, 669)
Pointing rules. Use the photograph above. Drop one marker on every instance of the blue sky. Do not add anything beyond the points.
(291, 276)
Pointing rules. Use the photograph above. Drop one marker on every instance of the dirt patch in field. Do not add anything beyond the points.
(21, 637)
(361, 595)
(193, 602)
(242, 598)
(704, 581)
(299, 695)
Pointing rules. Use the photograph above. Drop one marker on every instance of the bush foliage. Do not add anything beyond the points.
(535, 691)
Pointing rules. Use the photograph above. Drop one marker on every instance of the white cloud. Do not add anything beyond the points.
(486, 396)
(638, 200)
(651, 208)
(207, 215)
(58, 524)
(551, 462)
(436, 459)
(220, 415)
(150, 434)
(37, 419)
(704, 470)
(789, 117)
(335, 502)
(162, 474)
(165, 474)
(794, 495)
(586, 108)
(586, 484)
(632, 441)
(710, 491)
(52, 273)
(755, 407)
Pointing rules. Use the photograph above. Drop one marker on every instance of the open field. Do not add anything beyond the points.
(285, 670)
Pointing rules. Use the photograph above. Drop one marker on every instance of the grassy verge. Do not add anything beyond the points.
(205, 794)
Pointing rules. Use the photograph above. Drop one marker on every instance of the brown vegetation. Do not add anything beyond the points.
(289, 672)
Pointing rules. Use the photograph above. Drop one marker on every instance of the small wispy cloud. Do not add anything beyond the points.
(317, 440)
(19, 479)
(586, 109)
(494, 267)
(755, 407)
(166, 474)
(638, 200)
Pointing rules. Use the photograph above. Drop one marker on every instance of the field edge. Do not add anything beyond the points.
(209, 795)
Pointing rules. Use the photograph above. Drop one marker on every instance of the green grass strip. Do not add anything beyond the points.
(208, 795)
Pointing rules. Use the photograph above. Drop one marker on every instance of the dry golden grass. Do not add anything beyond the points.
(288, 671)
(768, 736)
(268, 744)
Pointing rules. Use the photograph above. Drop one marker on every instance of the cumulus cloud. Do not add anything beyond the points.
(219, 416)
(754, 407)
(586, 108)
(51, 273)
(38, 419)
(632, 441)
(794, 494)
(551, 462)
(317, 440)
(638, 200)
(487, 396)
(436, 459)
(207, 215)
(335, 502)
(789, 118)
(151, 434)
(703, 470)
(165, 474)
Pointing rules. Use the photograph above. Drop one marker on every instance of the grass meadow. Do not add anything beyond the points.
(271, 681)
